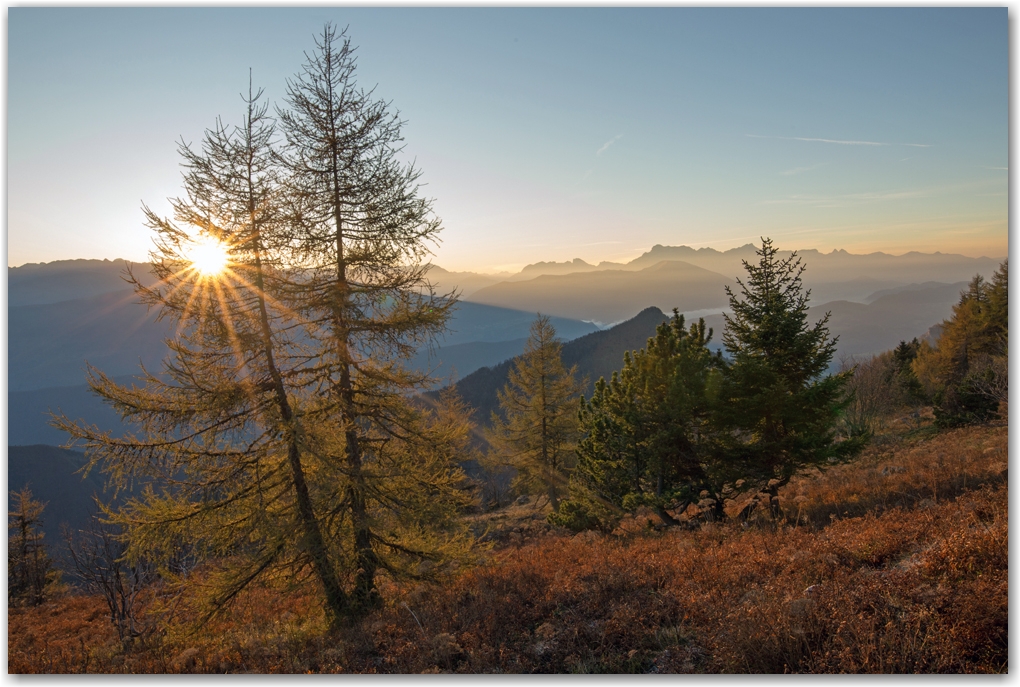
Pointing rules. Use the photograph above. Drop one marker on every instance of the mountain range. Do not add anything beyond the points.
(614, 295)
(66, 312)
(683, 277)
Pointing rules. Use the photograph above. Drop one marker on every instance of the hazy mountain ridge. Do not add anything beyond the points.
(54, 477)
(65, 280)
(28, 412)
(599, 293)
(596, 355)
(48, 342)
(465, 283)
(451, 363)
(613, 295)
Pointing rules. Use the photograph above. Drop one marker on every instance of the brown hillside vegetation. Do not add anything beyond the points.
(898, 564)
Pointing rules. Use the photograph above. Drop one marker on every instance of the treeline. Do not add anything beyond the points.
(678, 427)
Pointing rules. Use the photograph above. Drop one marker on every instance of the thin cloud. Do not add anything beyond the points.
(607, 144)
(848, 199)
(801, 170)
(840, 141)
(851, 199)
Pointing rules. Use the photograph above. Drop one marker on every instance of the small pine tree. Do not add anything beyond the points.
(643, 431)
(902, 377)
(29, 568)
(777, 407)
(538, 431)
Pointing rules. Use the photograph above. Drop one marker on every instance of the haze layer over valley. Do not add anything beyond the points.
(65, 313)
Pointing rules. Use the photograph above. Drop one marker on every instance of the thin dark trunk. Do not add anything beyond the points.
(666, 518)
(365, 594)
(313, 541)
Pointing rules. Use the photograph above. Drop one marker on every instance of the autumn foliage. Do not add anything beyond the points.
(897, 563)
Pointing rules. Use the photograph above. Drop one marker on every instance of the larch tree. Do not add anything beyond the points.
(29, 568)
(362, 233)
(280, 436)
(537, 433)
(778, 407)
(966, 371)
(220, 430)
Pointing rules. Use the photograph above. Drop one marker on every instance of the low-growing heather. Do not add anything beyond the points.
(897, 563)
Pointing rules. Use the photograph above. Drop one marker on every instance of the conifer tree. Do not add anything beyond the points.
(643, 432)
(538, 431)
(997, 313)
(281, 430)
(29, 568)
(221, 427)
(777, 407)
(902, 377)
(965, 372)
(362, 233)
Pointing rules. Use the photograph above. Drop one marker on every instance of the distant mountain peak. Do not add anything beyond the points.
(650, 311)
(576, 263)
(675, 266)
(660, 252)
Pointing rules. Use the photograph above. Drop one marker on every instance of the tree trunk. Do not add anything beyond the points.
(365, 594)
(553, 498)
(336, 600)
(666, 518)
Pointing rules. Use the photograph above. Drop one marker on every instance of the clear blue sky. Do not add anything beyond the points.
(546, 134)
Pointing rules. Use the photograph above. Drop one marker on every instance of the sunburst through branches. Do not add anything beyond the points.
(208, 256)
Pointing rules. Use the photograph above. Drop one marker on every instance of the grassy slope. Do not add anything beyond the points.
(899, 564)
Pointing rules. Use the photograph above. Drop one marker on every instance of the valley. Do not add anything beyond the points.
(67, 313)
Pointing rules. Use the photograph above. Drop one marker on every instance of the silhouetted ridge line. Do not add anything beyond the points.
(596, 355)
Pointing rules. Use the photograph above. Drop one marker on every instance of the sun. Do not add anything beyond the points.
(208, 256)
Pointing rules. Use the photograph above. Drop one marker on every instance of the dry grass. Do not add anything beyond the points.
(903, 474)
(899, 564)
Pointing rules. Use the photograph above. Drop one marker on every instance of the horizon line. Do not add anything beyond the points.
(509, 269)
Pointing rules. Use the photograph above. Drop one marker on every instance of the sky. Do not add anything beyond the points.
(545, 134)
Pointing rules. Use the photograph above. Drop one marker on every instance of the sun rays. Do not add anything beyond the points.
(208, 256)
